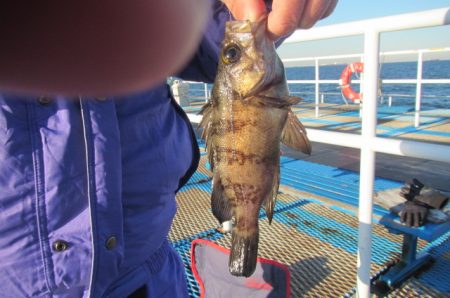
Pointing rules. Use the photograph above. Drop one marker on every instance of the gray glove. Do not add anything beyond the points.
(413, 214)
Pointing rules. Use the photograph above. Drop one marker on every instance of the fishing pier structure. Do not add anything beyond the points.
(326, 201)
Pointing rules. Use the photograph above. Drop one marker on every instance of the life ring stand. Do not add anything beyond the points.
(346, 79)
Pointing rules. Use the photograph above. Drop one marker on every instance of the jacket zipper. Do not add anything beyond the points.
(85, 122)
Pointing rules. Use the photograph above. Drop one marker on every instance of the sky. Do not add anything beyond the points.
(355, 10)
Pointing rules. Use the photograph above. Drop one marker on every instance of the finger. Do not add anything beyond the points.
(284, 17)
(424, 217)
(402, 216)
(409, 219)
(416, 220)
(313, 11)
(246, 9)
(330, 9)
(421, 218)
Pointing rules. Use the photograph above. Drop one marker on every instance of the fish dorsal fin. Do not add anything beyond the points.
(276, 102)
(294, 134)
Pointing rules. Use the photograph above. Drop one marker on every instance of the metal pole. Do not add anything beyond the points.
(361, 80)
(206, 92)
(317, 86)
(418, 89)
(367, 161)
(390, 101)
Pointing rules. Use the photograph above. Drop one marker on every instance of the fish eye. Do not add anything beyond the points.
(231, 53)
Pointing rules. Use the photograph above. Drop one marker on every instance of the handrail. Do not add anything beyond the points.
(359, 55)
(429, 18)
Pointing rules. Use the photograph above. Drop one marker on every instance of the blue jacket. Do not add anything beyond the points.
(87, 186)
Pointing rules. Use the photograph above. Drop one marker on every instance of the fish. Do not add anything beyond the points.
(248, 115)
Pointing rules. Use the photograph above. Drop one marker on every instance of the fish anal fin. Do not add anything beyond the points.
(220, 204)
(294, 134)
(269, 203)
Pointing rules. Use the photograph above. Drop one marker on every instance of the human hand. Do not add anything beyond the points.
(286, 15)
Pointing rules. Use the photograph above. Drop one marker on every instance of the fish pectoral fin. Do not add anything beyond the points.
(220, 204)
(269, 203)
(206, 111)
(276, 102)
(292, 100)
(205, 124)
(244, 253)
(294, 134)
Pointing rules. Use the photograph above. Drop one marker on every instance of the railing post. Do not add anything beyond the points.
(367, 161)
(206, 92)
(317, 77)
(390, 101)
(418, 89)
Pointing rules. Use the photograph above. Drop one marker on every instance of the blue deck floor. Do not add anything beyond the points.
(337, 185)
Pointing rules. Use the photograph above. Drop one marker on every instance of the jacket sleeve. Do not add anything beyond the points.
(203, 65)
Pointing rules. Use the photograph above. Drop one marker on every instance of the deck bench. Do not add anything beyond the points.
(410, 262)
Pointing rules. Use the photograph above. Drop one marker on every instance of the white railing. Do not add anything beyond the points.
(367, 141)
(418, 81)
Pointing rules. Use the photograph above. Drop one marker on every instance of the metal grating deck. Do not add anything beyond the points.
(316, 240)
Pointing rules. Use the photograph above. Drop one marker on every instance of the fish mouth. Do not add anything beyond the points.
(247, 26)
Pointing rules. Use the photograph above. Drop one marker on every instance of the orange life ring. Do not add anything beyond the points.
(346, 79)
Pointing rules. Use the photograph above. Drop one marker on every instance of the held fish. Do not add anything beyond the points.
(248, 115)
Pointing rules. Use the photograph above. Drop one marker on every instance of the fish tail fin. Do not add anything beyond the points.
(269, 204)
(244, 251)
(220, 204)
